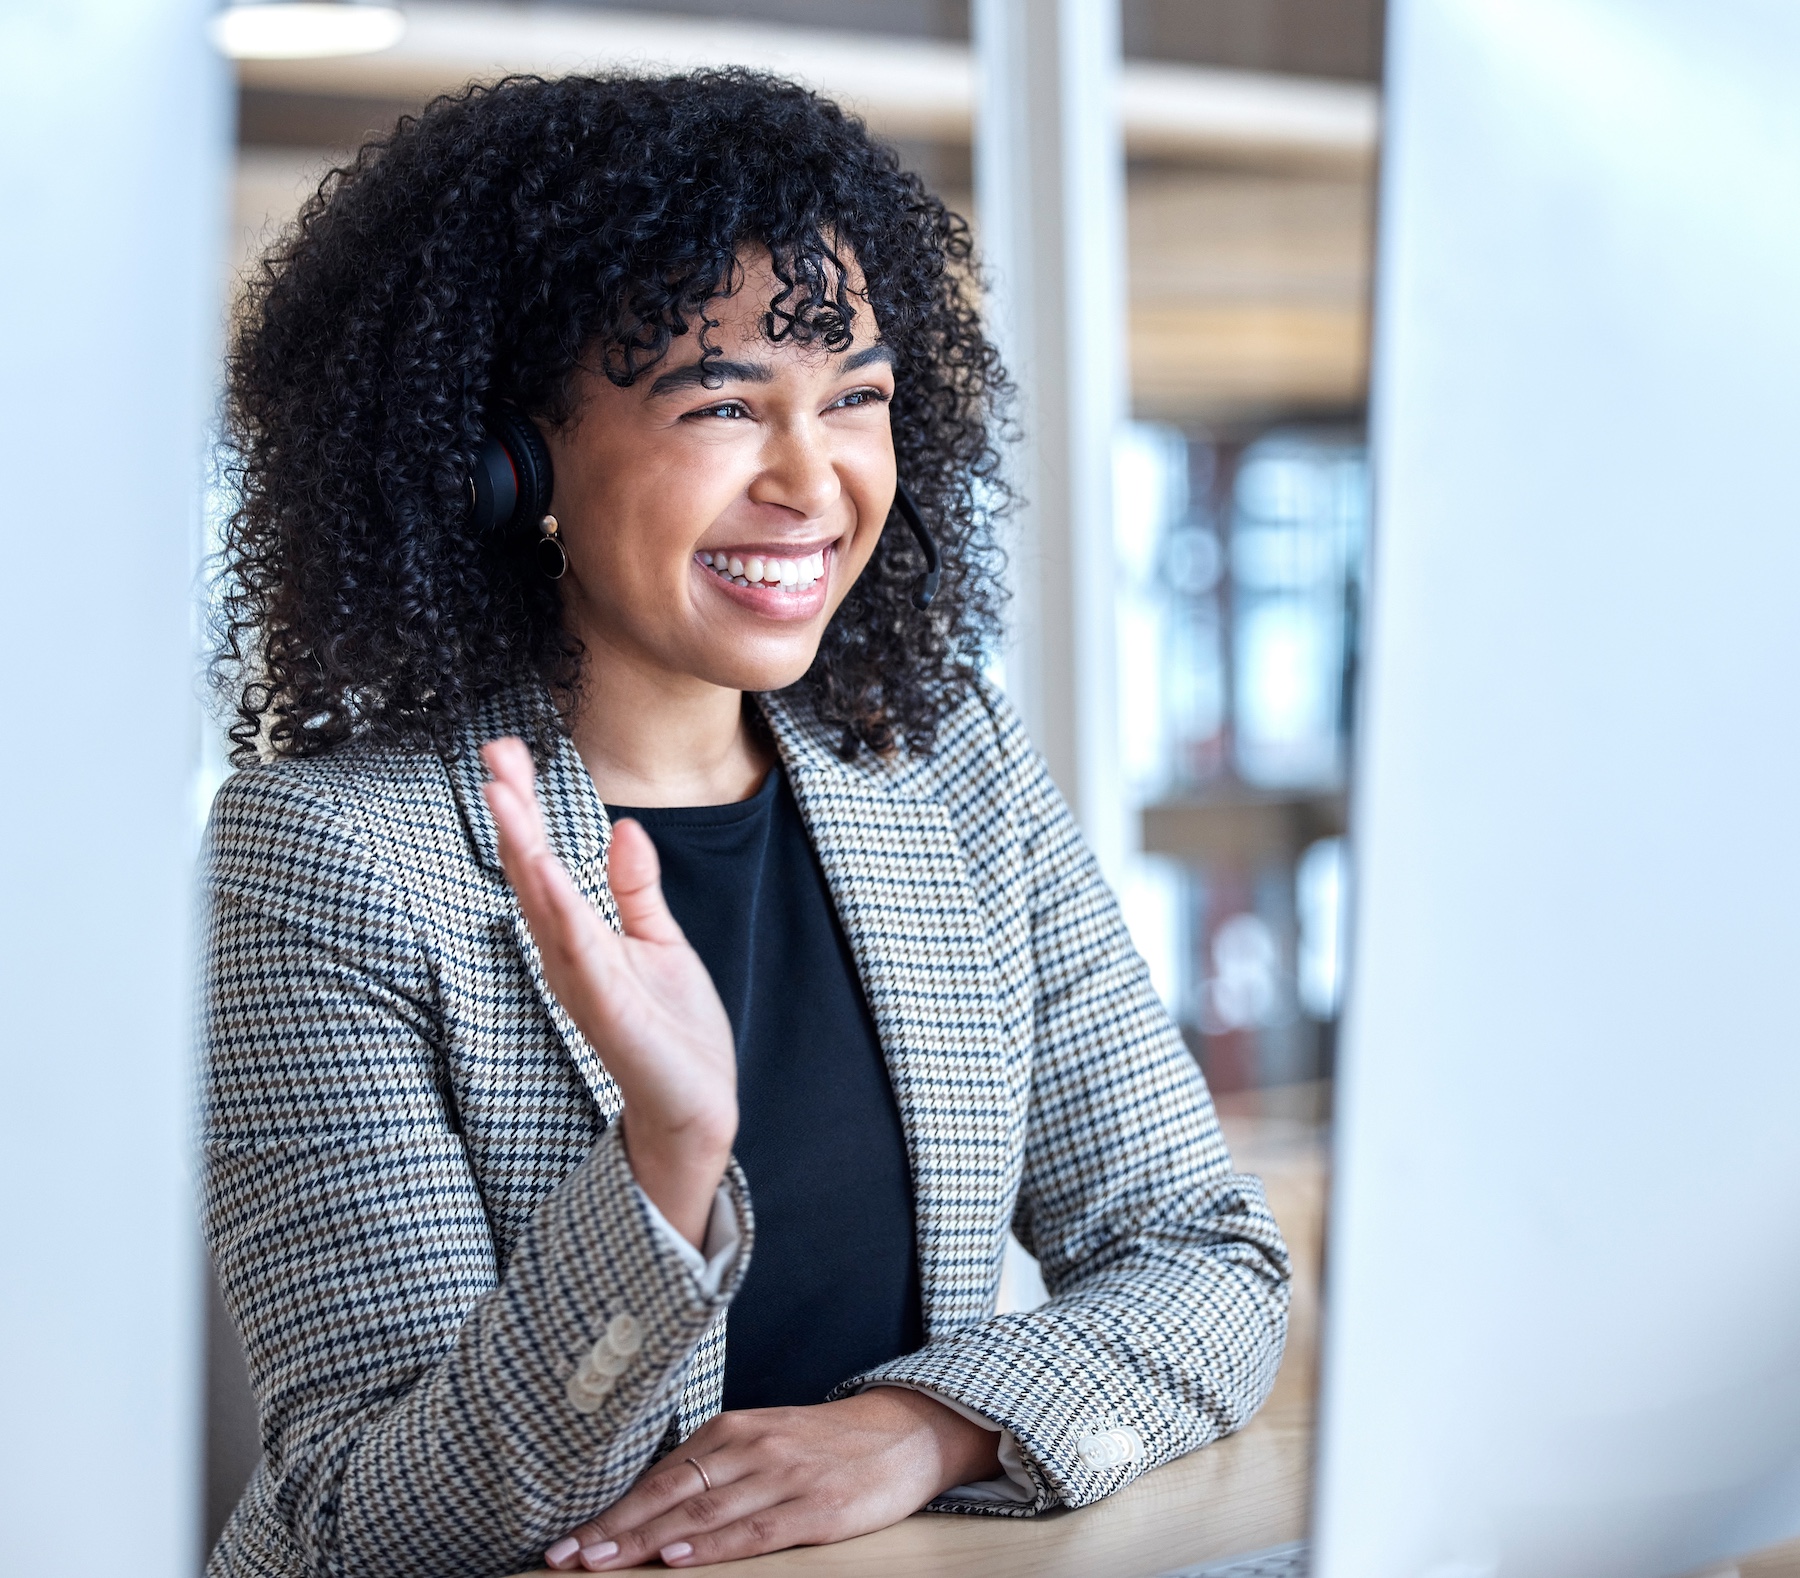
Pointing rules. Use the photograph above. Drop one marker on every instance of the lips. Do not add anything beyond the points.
(788, 588)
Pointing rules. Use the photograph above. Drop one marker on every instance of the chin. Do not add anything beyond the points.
(761, 670)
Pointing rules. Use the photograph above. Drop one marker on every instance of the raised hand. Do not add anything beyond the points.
(643, 999)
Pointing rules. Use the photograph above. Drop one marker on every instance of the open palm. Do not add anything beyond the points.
(641, 996)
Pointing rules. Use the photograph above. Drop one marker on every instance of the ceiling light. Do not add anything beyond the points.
(289, 30)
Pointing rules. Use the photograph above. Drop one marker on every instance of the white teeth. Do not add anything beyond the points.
(758, 571)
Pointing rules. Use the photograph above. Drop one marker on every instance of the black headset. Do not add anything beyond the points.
(925, 588)
(509, 489)
(510, 486)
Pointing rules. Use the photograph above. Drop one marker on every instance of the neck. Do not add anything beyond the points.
(652, 738)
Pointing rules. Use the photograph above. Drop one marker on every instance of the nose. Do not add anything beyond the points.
(798, 471)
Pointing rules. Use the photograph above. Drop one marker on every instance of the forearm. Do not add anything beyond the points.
(1169, 1347)
(964, 1451)
(471, 1451)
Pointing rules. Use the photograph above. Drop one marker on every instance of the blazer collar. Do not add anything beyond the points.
(574, 820)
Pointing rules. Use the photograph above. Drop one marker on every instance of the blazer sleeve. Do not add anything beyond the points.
(1168, 1277)
(417, 1404)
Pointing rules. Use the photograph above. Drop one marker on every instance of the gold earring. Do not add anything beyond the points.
(551, 558)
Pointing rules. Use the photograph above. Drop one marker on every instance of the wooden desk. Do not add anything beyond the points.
(1243, 1494)
(1781, 1562)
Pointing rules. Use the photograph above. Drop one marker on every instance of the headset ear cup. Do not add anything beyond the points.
(511, 482)
(493, 487)
(530, 456)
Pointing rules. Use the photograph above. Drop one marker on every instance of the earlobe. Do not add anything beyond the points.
(552, 560)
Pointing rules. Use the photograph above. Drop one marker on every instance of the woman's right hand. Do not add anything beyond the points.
(643, 999)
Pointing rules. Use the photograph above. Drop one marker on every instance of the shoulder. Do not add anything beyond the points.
(980, 763)
(358, 805)
(982, 739)
(346, 784)
(983, 769)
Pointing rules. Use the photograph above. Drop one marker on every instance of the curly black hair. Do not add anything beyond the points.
(485, 250)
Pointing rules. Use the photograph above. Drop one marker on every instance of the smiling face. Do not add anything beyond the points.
(713, 532)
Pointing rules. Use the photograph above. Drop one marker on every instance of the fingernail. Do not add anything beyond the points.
(678, 1552)
(562, 1550)
(599, 1552)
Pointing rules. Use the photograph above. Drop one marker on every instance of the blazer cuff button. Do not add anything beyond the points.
(1108, 1449)
(605, 1361)
(587, 1391)
(624, 1334)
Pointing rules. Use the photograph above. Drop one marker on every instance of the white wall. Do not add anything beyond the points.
(1565, 1277)
(113, 126)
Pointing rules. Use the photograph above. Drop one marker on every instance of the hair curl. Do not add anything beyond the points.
(481, 251)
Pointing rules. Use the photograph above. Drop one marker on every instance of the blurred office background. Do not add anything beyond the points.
(1191, 689)
(1237, 486)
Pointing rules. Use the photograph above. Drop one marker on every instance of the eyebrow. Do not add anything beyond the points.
(709, 375)
(868, 357)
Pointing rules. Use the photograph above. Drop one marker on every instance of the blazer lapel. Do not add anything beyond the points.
(576, 826)
(899, 879)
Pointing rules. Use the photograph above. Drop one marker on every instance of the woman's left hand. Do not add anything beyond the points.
(786, 1476)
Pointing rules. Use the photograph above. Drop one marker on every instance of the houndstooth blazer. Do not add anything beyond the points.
(424, 1222)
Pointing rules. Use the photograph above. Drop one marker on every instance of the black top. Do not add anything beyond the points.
(833, 1286)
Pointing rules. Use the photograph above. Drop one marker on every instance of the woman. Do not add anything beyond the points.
(490, 1090)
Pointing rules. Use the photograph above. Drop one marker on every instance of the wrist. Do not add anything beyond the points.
(680, 1173)
(965, 1452)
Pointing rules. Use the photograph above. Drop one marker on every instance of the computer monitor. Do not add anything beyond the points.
(1563, 1273)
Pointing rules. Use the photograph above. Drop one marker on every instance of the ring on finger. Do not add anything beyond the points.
(704, 1480)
